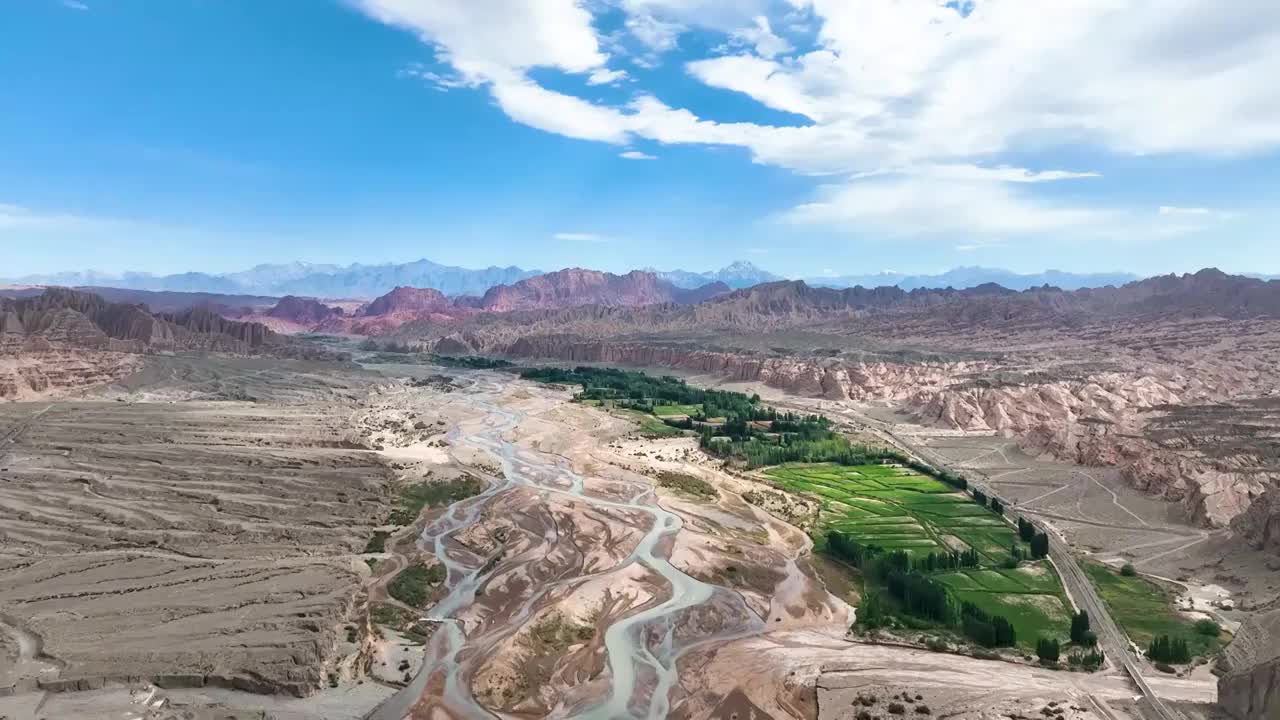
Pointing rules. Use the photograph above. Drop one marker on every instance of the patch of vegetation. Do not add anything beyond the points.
(555, 633)
(1090, 659)
(413, 585)
(391, 616)
(673, 410)
(650, 426)
(414, 498)
(470, 362)
(687, 484)
(1169, 650)
(544, 644)
(377, 543)
(1208, 628)
(1146, 611)
(958, 557)
(640, 391)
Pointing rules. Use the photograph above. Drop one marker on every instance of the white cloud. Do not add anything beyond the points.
(760, 36)
(918, 100)
(74, 5)
(497, 38)
(636, 155)
(531, 104)
(931, 206)
(580, 237)
(1136, 77)
(604, 76)
(439, 81)
(654, 34)
(1001, 173)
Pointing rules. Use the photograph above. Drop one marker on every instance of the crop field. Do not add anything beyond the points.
(1146, 610)
(676, 410)
(899, 509)
(1030, 597)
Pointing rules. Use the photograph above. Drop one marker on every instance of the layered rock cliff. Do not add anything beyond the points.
(1260, 523)
(1250, 689)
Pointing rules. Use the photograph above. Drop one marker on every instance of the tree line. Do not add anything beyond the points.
(907, 581)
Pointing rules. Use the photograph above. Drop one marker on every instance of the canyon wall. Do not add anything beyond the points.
(1134, 419)
(1250, 689)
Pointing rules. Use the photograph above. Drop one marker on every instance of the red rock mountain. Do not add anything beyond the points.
(576, 286)
(563, 289)
(303, 311)
(408, 300)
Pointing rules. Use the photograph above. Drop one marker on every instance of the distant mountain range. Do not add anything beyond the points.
(737, 275)
(574, 287)
(369, 281)
(970, 277)
(299, 278)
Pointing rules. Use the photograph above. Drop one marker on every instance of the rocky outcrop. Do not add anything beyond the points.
(303, 311)
(387, 313)
(575, 286)
(1260, 523)
(65, 338)
(408, 300)
(1250, 689)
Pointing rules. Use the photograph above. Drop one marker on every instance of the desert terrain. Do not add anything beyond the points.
(203, 516)
(196, 535)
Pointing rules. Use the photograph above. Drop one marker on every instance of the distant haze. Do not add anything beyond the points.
(367, 281)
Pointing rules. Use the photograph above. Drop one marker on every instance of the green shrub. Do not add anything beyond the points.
(1129, 570)
(687, 484)
(377, 543)
(433, 494)
(412, 586)
(1208, 628)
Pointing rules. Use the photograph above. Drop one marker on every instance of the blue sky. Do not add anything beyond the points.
(807, 136)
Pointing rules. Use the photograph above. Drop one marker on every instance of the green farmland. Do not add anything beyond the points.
(896, 508)
(677, 410)
(1146, 610)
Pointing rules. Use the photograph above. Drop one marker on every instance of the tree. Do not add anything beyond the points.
(980, 497)
(1079, 627)
(1129, 570)
(997, 507)
(1039, 546)
(871, 614)
(1048, 650)
(1170, 650)
(1026, 530)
